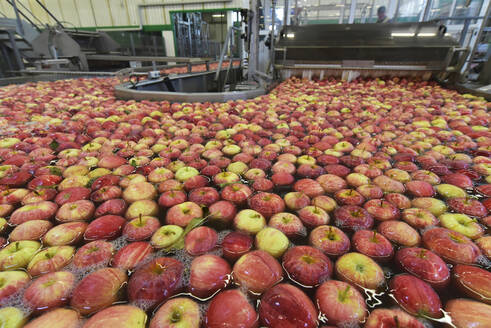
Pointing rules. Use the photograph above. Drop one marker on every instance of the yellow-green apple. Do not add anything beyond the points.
(13, 196)
(249, 221)
(50, 259)
(166, 236)
(139, 191)
(98, 290)
(185, 173)
(50, 291)
(69, 233)
(272, 241)
(12, 317)
(341, 303)
(360, 270)
(434, 205)
(450, 191)
(179, 312)
(257, 271)
(11, 282)
(18, 254)
(461, 223)
(144, 207)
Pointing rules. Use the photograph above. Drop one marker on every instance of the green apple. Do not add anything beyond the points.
(3, 224)
(166, 235)
(305, 159)
(237, 167)
(8, 142)
(272, 241)
(185, 173)
(249, 221)
(434, 205)
(17, 255)
(145, 207)
(12, 317)
(50, 259)
(450, 191)
(461, 223)
(178, 312)
(231, 150)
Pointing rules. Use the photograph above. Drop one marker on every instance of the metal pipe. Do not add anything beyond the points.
(222, 54)
(352, 12)
(273, 20)
(20, 28)
(25, 17)
(17, 55)
(50, 14)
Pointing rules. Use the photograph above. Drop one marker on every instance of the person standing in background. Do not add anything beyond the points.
(382, 17)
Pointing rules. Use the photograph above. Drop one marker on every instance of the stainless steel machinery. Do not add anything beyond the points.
(351, 50)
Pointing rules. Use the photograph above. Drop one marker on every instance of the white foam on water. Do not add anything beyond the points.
(119, 243)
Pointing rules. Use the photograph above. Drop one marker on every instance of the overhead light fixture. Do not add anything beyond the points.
(402, 34)
(290, 35)
(426, 34)
(217, 15)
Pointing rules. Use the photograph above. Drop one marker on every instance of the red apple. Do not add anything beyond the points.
(425, 265)
(57, 318)
(209, 273)
(98, 290)
(118, 316)
(177, 312)
(235, 244)
(287, 306)
(373, 244)
(267, 204)
(307, 265)
(12, 282)
(330, 240)
(353, 217)
(341, 303)
(111, 207)
(30, 230)
(105, 227)
(391, 318)
(72, 194)
(468, 313)
(416, 296)
(37, 211)
(65, 234)
(97, 252)
(473, 282)
(131, 255)
(154, 282)
(230, 308)
(50, 291)
(183, 213)
(451, 246)
(141, 228)
(200, 240)
(400, 233)
(257, 271)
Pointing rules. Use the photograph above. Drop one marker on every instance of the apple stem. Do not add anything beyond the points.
(396, 320)
(140, 219)
(16, 246)
(344, 293)
(374, 236)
